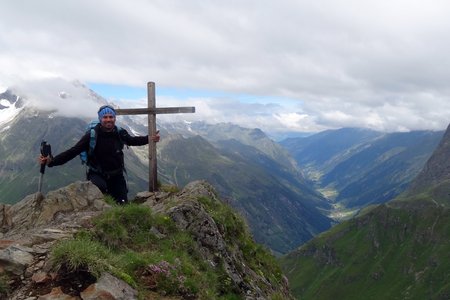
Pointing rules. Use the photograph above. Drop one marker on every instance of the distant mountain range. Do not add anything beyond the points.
(358, 167)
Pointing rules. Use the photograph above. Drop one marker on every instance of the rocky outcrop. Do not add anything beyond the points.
(32, 226)
(190, 215)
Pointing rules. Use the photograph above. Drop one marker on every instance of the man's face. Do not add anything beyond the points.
(108, 121)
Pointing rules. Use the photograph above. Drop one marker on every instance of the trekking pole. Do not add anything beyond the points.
(46, 150)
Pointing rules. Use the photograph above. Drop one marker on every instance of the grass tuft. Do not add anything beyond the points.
(82, 253)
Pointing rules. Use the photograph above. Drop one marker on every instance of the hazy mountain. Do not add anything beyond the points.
(397, 250)
(253, 137)
(255, 174)
(357, 167)
(323, 150)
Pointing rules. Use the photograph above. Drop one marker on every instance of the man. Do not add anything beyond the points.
(106, 163)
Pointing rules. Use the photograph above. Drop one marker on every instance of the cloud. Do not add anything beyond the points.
(377, 64)
(71, 99)
(267, 117)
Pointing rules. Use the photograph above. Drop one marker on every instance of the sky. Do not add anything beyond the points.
(302, 66)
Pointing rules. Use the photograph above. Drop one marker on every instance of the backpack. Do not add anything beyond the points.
(84, 156)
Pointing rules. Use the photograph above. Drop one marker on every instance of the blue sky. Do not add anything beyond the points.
(124, 92)
(114, 91)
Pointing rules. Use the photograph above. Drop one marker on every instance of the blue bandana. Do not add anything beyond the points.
(105, 110)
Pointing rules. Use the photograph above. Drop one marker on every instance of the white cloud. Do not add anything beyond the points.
(66, 98)
(379, 64)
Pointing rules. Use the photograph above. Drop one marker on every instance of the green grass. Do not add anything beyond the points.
(168, 188)
(82, 253)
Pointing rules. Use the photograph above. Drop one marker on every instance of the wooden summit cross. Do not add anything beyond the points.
(152, 111)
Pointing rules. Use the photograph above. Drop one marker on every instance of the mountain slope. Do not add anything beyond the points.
(389, 253)
(436, 173)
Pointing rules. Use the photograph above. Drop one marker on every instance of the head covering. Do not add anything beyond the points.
(106, 110)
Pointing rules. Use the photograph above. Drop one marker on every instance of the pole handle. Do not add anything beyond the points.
(46, 150)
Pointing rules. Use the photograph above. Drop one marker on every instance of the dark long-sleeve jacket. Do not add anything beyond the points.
(108, 155)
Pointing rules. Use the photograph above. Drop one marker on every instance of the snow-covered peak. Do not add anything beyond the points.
(8, 111)
(66, 98)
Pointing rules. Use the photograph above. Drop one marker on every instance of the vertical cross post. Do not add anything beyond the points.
(152, 111)
(152, 172)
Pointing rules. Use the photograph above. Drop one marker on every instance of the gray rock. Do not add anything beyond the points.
(57, 294)
(109, 287)
(15, 259)
(35, 210)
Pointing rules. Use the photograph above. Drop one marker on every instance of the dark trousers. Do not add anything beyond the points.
(114, 185)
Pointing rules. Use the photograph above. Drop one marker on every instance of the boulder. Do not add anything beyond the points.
(109, 287)
(15, 259)
(36, 210)
(57, 294)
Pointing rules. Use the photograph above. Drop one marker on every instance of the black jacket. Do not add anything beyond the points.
(108, 155)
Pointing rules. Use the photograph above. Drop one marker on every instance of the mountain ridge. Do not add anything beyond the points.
(437, 168)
